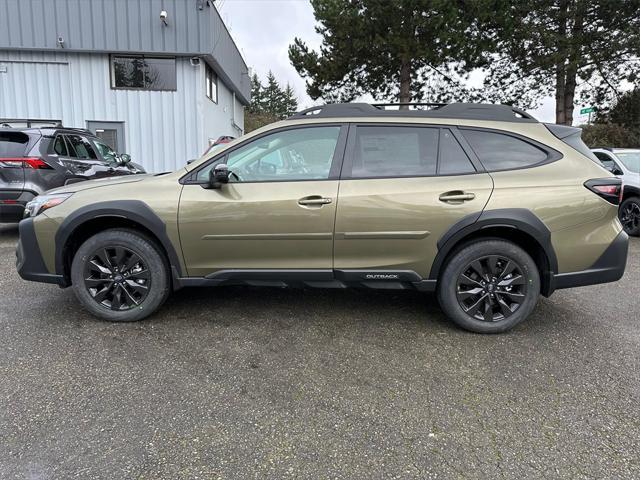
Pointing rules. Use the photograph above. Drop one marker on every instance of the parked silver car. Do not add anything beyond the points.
(625, 163)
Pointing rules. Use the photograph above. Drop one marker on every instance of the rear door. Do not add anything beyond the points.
(402, 187)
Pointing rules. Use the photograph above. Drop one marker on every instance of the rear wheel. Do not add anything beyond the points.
(119, 275)
(629, 214)
(489, 286)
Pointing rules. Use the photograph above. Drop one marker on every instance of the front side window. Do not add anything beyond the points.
(384, 151)
(81, 148)
(143, 73)
(498, 151)
(105, 151)
(290, 155)
(211, 80)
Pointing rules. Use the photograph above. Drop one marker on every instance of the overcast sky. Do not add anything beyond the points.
(264, 29)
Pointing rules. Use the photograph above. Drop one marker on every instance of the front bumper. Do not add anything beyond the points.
(29, 263)
(608, 268)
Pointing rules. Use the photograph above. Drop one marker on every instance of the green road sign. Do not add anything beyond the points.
(587, 110)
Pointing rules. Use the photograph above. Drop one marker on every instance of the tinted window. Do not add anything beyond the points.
(605, 159)
(105, 150)
(382, 151)
(146, 73)
(298, 154)
(13, 144)
(497, 151)
(453, 159)
(59, 146)
(81, 147)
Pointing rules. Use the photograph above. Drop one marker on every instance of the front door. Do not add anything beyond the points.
(276, 213)
(403, 187)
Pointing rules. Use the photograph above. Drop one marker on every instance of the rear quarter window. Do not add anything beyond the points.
(498, 151)
(13, 144)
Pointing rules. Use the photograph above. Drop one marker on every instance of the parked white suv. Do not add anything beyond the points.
(625, 163)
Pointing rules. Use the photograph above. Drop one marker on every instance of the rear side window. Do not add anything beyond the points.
(60, 146)
(453, 159)
(82, 148)
(498, 151)
(382, 151)
(13, 144)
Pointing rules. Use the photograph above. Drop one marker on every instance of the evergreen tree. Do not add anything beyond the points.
(256, 94)
(542, 47)
(386, 48)
(269, 103)
(290, 101)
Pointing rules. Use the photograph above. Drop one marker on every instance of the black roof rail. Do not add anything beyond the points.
(86, 131)
(471, 111)
(383, 106)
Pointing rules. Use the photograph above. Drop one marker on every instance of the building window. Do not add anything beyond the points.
(211, 79)
(143, 73)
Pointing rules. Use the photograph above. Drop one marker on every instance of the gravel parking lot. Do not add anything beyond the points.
(267, 383)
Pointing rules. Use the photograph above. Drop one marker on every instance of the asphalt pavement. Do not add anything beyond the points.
(240, 383)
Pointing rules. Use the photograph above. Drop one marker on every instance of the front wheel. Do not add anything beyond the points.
(489, 286)
(629, 214)
(120, 276)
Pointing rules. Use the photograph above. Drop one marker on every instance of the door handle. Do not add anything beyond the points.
(314, 201)
(456, 196)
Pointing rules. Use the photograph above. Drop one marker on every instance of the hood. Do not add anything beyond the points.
(103, 182)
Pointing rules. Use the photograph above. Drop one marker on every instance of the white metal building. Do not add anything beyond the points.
(160, 89)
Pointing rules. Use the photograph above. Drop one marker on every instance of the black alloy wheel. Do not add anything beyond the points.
(117, 278)
(491, 288)
(630, 216)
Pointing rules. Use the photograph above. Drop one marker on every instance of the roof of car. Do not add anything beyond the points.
(47, 131)
(472, 111)
(617, 150)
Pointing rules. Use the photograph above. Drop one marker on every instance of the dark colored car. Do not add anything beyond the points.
(34, 160)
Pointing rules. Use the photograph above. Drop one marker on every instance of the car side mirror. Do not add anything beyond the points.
(219, 176)
(125, 158)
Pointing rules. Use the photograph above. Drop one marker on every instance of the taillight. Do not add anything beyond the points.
(608, 188)
(24, 162)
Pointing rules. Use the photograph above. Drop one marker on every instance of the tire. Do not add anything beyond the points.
(629, 215)
(106, 261)
(459, 296)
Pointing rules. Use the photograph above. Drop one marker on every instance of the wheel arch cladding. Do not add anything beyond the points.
(113, 214)
(630, 191)
(518, 225)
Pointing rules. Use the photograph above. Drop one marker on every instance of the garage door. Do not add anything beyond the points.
(35, 90)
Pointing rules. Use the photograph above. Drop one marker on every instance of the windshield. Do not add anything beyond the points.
(631, 160)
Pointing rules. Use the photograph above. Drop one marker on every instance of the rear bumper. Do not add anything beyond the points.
(29, 263)
(608, 268)
(12, 210)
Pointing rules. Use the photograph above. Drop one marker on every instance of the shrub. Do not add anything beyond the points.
(610, 135)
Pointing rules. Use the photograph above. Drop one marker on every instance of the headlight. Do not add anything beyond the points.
(44, 202)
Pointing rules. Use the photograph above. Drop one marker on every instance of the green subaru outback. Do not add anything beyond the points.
(481, 204)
